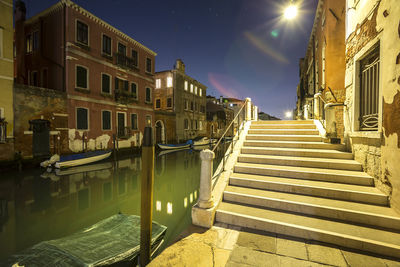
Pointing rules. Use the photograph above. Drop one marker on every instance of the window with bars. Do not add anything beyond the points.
(135, 57)
(149, 65)
(134, 90)
(148, 95)
(82, 33)
(369, 91)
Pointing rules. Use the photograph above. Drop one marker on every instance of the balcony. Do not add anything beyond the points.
(124, 96)
(125, 62)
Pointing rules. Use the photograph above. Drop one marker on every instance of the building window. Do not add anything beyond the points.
(122, 49)
(148, 65)
(191, 105)
(200, 125)
(191, 125)
(148, 95)
(34, 81)
(134, 121)
(158, 83)
(35, 41)
(186, 85)
(200, 92)
(135, 57)
(202, 109)
(105, 83)
(134, 90)
(82, 120)
(29, 45)
(82, 33)
(195, 90)
(195, 106)
(122, 85)
(186, 124)
(106, 120)
(148, 120)
(169, 102)
(169, 81)
(191, 88)
(106, 45)
(369, 91)
(186, 105)
(158, 103)
(81, 77)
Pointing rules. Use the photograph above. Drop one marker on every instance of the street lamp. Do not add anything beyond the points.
(288, 114)
(290, 12)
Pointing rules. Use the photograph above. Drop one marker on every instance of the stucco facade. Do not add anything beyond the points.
(321, 70)
(373, 29)
(6, 81)
(107, 76)
(181, 95)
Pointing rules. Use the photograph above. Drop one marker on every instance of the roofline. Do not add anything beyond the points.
(83, 11)
(317, 13)
(184, 74)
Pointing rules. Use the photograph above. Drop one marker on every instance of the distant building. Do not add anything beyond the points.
(219, 117)
(321, 70)
(107, 76)
(266, 117)
(179, 104)
(6, 81)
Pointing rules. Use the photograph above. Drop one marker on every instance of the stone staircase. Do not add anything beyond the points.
(288, 181)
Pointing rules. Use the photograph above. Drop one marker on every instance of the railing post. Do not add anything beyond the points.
(205, 197)
(248, 109)
(146, 204)
(255, 113)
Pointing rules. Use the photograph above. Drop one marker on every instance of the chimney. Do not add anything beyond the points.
(179, 65)
(19, 15)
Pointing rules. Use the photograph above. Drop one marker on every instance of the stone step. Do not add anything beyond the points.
(284, 131)
(349, 192)
(369, 239)
(293, 144)
(361, 213)
(328, 175)
(297, 152)
(282, 126)
(276, 137)
(339, 164)
(283, 122)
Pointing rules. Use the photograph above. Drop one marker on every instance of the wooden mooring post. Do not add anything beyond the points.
(146, 205)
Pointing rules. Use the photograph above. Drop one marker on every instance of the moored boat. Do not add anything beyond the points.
(176, 146)
(201, 141)
(81, 159)
(111, 241)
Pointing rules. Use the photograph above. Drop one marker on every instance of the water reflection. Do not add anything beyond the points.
(37, 205)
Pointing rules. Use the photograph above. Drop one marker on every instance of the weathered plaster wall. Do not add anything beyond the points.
(39, 103)
(379, 152)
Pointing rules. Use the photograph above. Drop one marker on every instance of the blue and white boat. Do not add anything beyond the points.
(81, 158)
(176, 146)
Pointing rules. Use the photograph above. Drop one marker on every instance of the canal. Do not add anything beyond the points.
(36, 205)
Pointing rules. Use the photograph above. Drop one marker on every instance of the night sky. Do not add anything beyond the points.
(237, 48)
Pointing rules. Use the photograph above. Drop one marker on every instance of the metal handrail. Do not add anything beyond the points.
(227, 128)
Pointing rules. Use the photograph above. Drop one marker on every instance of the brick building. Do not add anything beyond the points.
(321, 70)
(219, 116)
(107, 76)
(179, 104)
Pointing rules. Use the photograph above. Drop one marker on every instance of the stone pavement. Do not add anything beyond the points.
(225, 245)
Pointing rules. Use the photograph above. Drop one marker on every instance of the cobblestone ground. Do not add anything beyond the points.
(225, 245)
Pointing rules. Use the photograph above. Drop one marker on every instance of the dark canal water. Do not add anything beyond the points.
(37, 206)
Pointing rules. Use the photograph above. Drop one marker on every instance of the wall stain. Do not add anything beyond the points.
(391, 118)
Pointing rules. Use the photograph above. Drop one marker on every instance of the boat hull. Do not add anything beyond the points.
(81, 161)
(170, 147)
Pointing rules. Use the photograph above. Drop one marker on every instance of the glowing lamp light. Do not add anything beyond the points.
(185, 202)
(191, 197)
(290, 12)
(169, 208)
(158, 205)
(288, 114)
(195, 194)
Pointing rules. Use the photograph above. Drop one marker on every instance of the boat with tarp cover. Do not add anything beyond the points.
(114, 240)
(82, 158)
